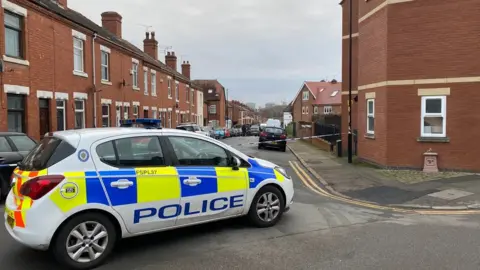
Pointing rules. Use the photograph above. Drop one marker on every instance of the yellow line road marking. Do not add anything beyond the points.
(313, 186)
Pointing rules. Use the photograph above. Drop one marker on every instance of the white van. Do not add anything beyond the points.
(274, 123)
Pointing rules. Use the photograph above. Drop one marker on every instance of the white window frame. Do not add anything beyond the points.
(212, 109)
(306, 109)
(303, 109)
(370, 115)
(107, 116)
(187, 92)
(169, 88)
(63, 108)
(154, 84)
(327, 109)
(305, 95)
(154, 114)
(125, 112)
(107, 65)
(442, 114)
(135, 108)
(82, 54)
(82, 111)
(118, 115)
(169, 119)
(145, 82)
(135, 75)
(315, 110)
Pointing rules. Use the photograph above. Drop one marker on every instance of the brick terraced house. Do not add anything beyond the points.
(240, 113)
(416, 81)
(63, 71)
(215, 103)
(316, 99)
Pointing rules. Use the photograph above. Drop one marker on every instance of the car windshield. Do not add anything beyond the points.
(188, 128)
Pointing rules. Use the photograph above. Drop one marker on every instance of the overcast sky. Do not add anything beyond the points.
(260, 50)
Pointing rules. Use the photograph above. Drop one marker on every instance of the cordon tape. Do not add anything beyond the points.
(285, 140)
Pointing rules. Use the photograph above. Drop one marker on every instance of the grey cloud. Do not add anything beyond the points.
(252, 46)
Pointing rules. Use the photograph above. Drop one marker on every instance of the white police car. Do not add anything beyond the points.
(79, 191)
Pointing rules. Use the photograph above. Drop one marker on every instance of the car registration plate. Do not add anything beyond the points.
(274, 142)
(10, 218)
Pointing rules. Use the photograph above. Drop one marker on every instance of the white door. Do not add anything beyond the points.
(144, 191)
(211, 188)
(118, 115)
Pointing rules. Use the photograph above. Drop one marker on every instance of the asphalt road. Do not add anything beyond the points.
(318, 233)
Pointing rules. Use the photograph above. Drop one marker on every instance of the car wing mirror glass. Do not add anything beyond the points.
(236, 163)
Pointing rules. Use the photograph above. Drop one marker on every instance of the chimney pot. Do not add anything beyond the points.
(186, 69)
(153, 35)
(112, 21)
(171, 60)
(147, 35)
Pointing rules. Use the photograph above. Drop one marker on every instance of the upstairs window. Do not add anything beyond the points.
(305, 95)
(135, 75)
(177, 91)
(327, 110)
(13, 35)
(145, 82)
(169, 88)
(78, 56)
(154, 84)
(105, 66)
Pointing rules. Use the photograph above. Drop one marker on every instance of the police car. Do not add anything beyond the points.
(79, 191)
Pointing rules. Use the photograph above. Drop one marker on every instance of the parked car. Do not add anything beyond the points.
(14, 147)
(254, 130)
(219, 133)
(209, 131)
(192, 127)
(274, 137)
(227, 133)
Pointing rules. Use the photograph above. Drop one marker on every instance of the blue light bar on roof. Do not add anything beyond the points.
(141, 122)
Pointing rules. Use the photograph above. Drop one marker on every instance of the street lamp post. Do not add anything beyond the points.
(350, 43)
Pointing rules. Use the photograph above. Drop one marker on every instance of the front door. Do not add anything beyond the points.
(44, 116)
(141, 188)
(210, 187)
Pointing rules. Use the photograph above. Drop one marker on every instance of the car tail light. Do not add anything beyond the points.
(263, 134)
(283, 136)
(37, 187)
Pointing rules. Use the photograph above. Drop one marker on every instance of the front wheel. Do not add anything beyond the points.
(85, 241)
(267, 207)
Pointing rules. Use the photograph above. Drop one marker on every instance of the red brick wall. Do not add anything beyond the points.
(49, 49)
(299, 103)
(430, 39)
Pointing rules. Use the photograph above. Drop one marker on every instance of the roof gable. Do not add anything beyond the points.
(303, 88)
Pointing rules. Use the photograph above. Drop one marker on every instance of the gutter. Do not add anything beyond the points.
(94, 81)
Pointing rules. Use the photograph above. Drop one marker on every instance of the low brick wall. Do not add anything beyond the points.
(320, 143)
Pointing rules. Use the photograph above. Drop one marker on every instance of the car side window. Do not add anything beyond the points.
(132, 152)
(197, 152)
(23, 143)
(4, 146)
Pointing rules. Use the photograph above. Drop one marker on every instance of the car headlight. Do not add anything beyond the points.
(282, 171)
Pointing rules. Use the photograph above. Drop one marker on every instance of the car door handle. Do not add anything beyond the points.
(122, 184)
(192, 181)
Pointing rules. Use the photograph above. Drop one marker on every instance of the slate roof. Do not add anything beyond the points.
(83, 21)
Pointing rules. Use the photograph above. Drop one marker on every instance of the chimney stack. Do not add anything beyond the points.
(171, 60)
(186, 69)
(112, 21)
(150, 45)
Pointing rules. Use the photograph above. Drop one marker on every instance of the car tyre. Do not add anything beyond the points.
(260, 146)
(284, 149)
(268, 201)
(91, 220)
(3, 187)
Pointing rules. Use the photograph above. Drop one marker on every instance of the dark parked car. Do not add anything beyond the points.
(274, 137)
(13, 148)
(254, 130)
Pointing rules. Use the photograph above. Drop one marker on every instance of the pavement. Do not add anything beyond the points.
(402, 188)
(319, 232)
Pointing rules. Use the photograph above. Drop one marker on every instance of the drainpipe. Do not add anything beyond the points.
(94, 82)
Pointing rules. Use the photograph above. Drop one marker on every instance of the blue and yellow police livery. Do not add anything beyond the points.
(79, 191)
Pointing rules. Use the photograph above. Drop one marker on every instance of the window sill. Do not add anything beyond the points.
(135, 88)
(434, 139)
(106, 82)
(145, 93)
(169, 97)
(370, 136)
(16, 60)
(80, 73)
(154, 95)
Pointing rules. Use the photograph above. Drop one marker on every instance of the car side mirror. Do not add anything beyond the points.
(236, 163)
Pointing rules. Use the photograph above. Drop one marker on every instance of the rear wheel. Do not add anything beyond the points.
(85, 241)
(260, 146)
(284, 148)
(267, 207)
(4, 187)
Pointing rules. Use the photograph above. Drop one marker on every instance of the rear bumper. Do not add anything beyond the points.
(273, 144)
